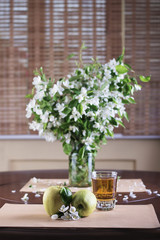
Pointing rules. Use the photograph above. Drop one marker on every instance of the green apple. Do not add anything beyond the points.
(52, 200)
(85, 202)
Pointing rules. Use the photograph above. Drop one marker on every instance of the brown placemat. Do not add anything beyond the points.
(123, 216)
(123, 185)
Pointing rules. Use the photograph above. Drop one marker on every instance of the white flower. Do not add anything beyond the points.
(67, 100)
(66, 216)
(72, 210)
(94, 101)
(37, 110)
(53, 91)
(32, 103)
(75, 114)
(112, 63)
(60, 89)
(75, 216)
(54, 121)
(29, 113)
(73, 128)
(110, 128)
(49, 125)
(70, 216)
(25, 198)
(29, 107)
(37, 80)
(54, 216)
(107, 73)
(67, 84)
(132, 195)
(44, 117)
(37, 195)
(82, 95)
(34, 180)
(137, 87)
(59, 107)
(88, 140)
(40, 95)
(84, 132)
(35, 126)
(49, 136)
(102, 128)
(96, 125)
(63, 208)
(90, 114)
(67, 137)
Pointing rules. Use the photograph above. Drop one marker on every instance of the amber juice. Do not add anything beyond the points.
(104, 188)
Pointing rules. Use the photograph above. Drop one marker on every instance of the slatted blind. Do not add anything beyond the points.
(142, 43)
(36, 33)
(13, 66)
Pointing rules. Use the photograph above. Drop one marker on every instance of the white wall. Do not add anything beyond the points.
(132, 154)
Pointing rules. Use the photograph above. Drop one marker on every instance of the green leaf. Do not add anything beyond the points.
(127, 89)
(126, 116)
(75, 91)
(54, 98)
(113, 121)
(125, 101)
(73, 103)
(120, 58)
(67, 148)
(104, 85)
(104, 140)
(74, 78)
(128, 66)
(83, 46)
(29, 96)
(41, 70)
(121, 69)
(134, 80)
(109, 133)
(66, 110)
(66, 195)
(81, 152)
(90, 92)
(33, 90)
(93, 107)
(80, 108)
(44, 126)
(35, 72)
(111, 87)
(44, 77)
(70, 56)
(120, 123)
(85, 124)
(131, 100)
(87, 70)
(145, 79)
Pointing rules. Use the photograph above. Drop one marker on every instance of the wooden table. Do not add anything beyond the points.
(16, 180)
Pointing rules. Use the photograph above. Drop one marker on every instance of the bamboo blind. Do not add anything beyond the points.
(36, 33)
(142, 43)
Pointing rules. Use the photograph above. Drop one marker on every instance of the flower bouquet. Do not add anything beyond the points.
(82, 109)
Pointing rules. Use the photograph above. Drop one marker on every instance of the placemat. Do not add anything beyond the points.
(39, 185)
(123, 216)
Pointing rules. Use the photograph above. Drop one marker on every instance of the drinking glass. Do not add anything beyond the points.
(104, 184)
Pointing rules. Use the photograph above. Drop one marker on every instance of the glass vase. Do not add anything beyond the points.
(80, 169)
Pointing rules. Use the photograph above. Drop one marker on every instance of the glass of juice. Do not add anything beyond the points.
(104, 184)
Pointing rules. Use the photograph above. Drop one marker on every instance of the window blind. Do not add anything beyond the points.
(36, 33)
(142, 43)
(14, 65)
